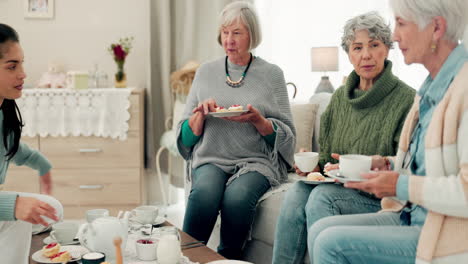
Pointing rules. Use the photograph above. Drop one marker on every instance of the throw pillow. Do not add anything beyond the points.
(304, 120)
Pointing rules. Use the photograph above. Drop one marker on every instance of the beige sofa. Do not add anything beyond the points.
(259, 247)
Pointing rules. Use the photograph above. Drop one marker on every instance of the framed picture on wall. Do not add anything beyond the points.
(39, 8)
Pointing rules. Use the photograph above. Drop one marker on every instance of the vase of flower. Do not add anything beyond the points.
(119, 51)
(120, 77)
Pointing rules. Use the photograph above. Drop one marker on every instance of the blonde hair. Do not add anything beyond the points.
(245, 13)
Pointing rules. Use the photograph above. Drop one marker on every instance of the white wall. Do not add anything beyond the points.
(291, 28)
(79, 34)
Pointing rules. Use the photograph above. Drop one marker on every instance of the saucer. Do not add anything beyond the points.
(159, 220)
(335, 174)
(37, 229)
(49, 240)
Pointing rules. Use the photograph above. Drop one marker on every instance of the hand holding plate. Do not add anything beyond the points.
(381, 183)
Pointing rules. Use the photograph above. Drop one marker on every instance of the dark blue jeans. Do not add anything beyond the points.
(237, 202)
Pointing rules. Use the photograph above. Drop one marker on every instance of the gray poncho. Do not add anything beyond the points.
(236, 147)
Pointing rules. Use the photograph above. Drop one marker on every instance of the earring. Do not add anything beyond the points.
(433, 47)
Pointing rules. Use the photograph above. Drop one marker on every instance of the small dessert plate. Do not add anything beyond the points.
(335, 174)
(327, 180)
(49, 240)
(75, 251)
(37, 229)
(228, 113)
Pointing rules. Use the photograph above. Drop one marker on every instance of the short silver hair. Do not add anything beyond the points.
(373, 23)
(244, 12)
(421, 12)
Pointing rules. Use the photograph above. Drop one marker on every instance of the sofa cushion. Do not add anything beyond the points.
(322, 99)
(268, 209)
(304, 121)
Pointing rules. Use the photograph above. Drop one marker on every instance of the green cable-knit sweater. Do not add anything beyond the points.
(365, 122)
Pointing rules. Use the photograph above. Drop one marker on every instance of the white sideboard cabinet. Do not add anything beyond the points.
(89, 171)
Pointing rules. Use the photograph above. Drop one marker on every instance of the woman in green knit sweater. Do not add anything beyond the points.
(365, 116)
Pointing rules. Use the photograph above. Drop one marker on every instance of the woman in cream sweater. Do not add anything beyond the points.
(428, 220)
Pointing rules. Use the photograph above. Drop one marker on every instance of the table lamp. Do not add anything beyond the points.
(324, 59)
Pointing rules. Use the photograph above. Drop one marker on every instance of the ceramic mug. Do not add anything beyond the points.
(64, 232)
(94, 214)
(306, 161)
(351, 166)
(168, 251)
(146, 249)
(145, 214)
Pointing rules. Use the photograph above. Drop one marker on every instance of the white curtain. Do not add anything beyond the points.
(181, 30)
(292, 28)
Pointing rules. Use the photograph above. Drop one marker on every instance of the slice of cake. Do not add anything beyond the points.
(236, 107)
(61, 257)
(315, 176)
(221, 109)
(51, 249)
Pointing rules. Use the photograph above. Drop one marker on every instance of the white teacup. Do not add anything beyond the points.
(145, 214)
(351, 166)
(306, 161)
(64, 232)
(94, 214)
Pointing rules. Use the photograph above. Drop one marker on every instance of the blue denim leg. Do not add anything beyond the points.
(204, 201)
(334, 199)
(237, 212)
(291, 231)
(364, 238)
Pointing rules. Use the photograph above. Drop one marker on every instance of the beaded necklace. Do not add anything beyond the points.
(239, 83)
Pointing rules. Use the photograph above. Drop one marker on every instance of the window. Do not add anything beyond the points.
(291, 28)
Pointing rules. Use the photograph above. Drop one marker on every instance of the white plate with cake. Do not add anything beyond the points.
(233, 110)
(317, 178)
(59, 254)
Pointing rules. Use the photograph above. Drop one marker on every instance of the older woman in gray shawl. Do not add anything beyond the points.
(235, 160)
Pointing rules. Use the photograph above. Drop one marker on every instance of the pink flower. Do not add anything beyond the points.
(119, 53)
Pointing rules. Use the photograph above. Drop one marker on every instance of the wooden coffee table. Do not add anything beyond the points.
(201, 254)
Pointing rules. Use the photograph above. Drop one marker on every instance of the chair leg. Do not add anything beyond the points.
(158, 168)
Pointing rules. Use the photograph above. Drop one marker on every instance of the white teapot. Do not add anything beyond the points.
(98, 236)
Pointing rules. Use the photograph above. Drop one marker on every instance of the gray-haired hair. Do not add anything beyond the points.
(421, 12)
(373, 23)
(244, 12)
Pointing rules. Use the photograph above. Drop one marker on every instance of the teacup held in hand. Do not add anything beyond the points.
(306, 161)
(351, 166)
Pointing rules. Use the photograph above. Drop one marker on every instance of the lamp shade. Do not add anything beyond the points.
(324, 59)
